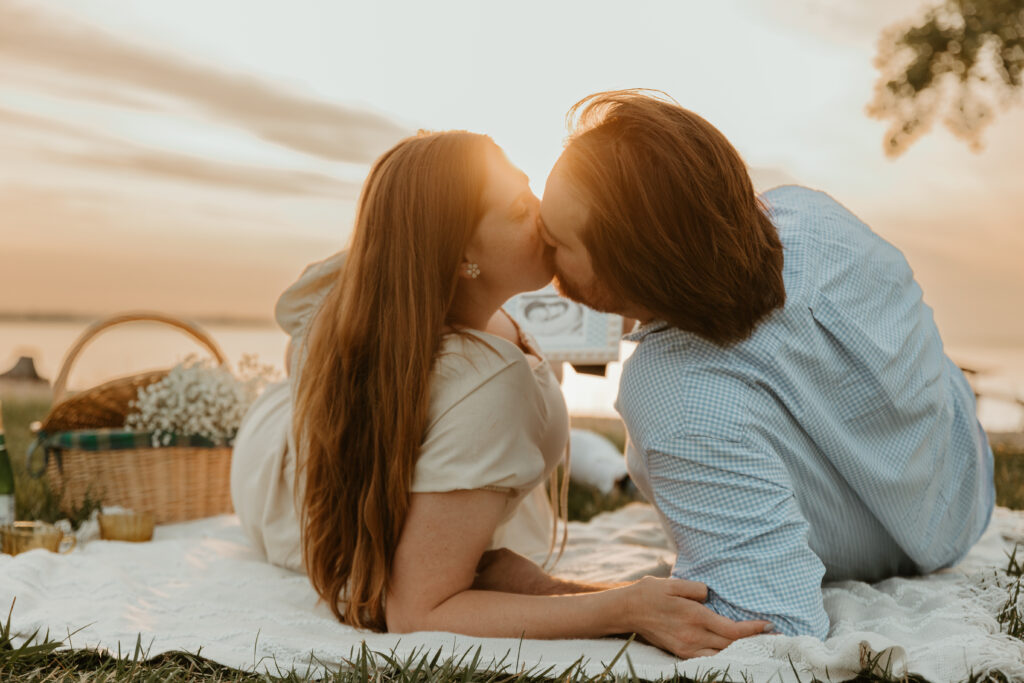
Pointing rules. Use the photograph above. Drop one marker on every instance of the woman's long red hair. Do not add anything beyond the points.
(363, 392)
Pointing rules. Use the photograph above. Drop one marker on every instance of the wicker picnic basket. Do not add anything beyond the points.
(87, 452)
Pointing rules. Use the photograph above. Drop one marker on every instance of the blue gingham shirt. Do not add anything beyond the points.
(838, 441)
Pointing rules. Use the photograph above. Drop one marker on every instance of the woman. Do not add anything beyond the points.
(419, 418)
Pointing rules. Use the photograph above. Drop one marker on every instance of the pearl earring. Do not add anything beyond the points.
(473, 270)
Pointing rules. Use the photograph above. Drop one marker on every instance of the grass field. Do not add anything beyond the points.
(40, 659)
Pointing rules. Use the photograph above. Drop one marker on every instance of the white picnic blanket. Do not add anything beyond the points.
(201, 585)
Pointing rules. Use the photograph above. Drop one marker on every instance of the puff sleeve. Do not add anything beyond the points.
(486, 435)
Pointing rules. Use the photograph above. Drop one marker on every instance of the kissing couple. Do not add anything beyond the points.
(790, 410)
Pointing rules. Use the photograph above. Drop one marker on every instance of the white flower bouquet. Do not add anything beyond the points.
(199, 398)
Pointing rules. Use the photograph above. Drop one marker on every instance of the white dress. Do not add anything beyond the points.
(494, 422)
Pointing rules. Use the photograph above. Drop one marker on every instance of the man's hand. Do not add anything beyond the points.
(509, 572)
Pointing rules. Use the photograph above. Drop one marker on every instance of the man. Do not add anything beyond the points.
(791, 412)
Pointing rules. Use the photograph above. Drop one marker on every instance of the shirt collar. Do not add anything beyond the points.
(641, 330)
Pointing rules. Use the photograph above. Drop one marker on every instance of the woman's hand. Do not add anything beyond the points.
(669, 613)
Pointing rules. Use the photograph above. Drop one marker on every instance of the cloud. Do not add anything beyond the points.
(194, 169)
(112, 154)
(71, 86)
(9, 117)
(333, 131)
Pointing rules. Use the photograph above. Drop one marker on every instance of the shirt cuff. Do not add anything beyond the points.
(791, 625)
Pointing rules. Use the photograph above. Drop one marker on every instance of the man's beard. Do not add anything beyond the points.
(593, 296)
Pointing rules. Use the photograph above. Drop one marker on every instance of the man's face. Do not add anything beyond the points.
(563, 218)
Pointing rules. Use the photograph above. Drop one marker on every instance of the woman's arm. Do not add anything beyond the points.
(434, 567)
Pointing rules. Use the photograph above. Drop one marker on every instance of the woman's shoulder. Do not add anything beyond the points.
(480, 365)
(471, 358)
(487, 413)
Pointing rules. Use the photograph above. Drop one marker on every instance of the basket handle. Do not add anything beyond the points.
(59, 385)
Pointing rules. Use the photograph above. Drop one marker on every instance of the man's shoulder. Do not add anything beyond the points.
(814, 220)
(794, 198)
(829, 249)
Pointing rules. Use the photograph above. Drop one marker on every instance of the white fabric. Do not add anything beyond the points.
(595, 460)
(200, 584)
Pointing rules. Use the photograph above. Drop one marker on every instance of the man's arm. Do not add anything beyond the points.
(738, 529)
(510, 572)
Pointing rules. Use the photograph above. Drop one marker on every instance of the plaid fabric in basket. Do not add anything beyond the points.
(106, 440)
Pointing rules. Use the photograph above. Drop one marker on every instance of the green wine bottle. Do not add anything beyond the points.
(6, 479)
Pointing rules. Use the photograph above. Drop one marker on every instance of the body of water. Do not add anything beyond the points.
(138, 347)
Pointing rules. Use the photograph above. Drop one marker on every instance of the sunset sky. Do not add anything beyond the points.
(192, 157)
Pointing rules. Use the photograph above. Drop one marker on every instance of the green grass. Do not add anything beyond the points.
(1011, 615)
(41, 659)
(1009, 476)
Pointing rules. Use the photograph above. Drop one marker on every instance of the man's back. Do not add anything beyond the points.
(838, 438)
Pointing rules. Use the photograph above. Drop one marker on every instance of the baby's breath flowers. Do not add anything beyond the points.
(200, 398)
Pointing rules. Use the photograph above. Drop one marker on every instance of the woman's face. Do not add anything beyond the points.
(507, 245)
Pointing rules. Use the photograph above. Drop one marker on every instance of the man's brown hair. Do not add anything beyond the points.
(674, 225)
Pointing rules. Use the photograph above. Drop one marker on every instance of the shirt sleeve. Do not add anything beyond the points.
(487, 439)
(297, 304)
(738, 529)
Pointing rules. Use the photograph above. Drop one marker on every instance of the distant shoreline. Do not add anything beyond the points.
(225, 321)
(954, 348)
